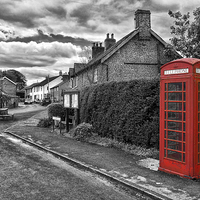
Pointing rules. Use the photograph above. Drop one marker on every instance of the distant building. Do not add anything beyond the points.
(38, 91)
(8, 89)
(57, 91)
(139, 54)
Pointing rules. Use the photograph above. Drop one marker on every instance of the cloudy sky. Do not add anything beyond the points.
(42, 37)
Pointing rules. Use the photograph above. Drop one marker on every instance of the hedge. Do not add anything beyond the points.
(125, 111)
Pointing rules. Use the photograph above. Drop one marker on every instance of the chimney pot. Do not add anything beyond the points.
(107, 35)
(96, 44)
(100, 44)
(112, 36)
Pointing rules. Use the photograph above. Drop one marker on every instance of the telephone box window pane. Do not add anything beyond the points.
(175, 126)
(184, 137)
(165, 115)
(174, 155)
(198, 86)
(183, 126)
(175, 96)
(165, 124)
(174, 86)
(174, 106)
(184, 96)
(199, 96)
(199, 148)
(165, 134)
(183, 106)
(174, 145)
(198, 127)
(174, 135)
(165, 143)
(199, 158)
(184, 86)
(165, 106)
(183, 157)
(165, 86)
(175, 116)
(199, 138)
(198, 106)
(165, 153)
(165, 96)
(183, 116)
(184, 147)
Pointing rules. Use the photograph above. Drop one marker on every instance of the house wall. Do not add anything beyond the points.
(137, 59)
(85, 78)
(50, 85)
(9, 87)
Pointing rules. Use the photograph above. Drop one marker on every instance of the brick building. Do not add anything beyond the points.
(139, 54)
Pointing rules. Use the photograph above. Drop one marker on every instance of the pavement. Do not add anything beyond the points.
(140, 173)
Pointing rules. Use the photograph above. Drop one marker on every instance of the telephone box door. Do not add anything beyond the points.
(174, 115)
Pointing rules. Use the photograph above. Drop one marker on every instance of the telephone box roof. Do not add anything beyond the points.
(191, 61)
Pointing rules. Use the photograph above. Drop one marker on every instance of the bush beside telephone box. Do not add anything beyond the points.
(126, 111)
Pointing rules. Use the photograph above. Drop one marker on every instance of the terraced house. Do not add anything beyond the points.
(139, 54)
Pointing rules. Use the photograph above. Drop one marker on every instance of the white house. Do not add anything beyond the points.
(39, 91)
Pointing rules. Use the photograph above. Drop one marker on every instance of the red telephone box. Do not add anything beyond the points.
(180, 118)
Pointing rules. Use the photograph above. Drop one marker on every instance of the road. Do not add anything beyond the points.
(26, 108)
(29, 174)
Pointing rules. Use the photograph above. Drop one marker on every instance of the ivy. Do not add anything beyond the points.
(126, 111)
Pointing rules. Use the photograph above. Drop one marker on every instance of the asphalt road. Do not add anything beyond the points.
(29, 174)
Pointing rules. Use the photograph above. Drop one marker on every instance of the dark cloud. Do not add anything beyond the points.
(24, 19)
(83, 14)
(15, 13)
(59, 11)
(23, 61)
(159, 6)
(42, 37)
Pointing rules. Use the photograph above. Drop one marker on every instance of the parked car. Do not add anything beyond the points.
(46, 101)
(28, 101)
(37, 101)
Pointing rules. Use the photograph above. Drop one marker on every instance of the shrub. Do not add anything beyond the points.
(125, 111)
(57, 110)
(45, 122)
(82, 132)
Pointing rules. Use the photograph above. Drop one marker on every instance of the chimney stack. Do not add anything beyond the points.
(108, 42)
(143, 23)
(97, 49)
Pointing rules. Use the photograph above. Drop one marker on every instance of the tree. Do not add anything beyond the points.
(16, 77)
(186, 33)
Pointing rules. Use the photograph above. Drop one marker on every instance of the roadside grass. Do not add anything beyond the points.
(83, 132)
